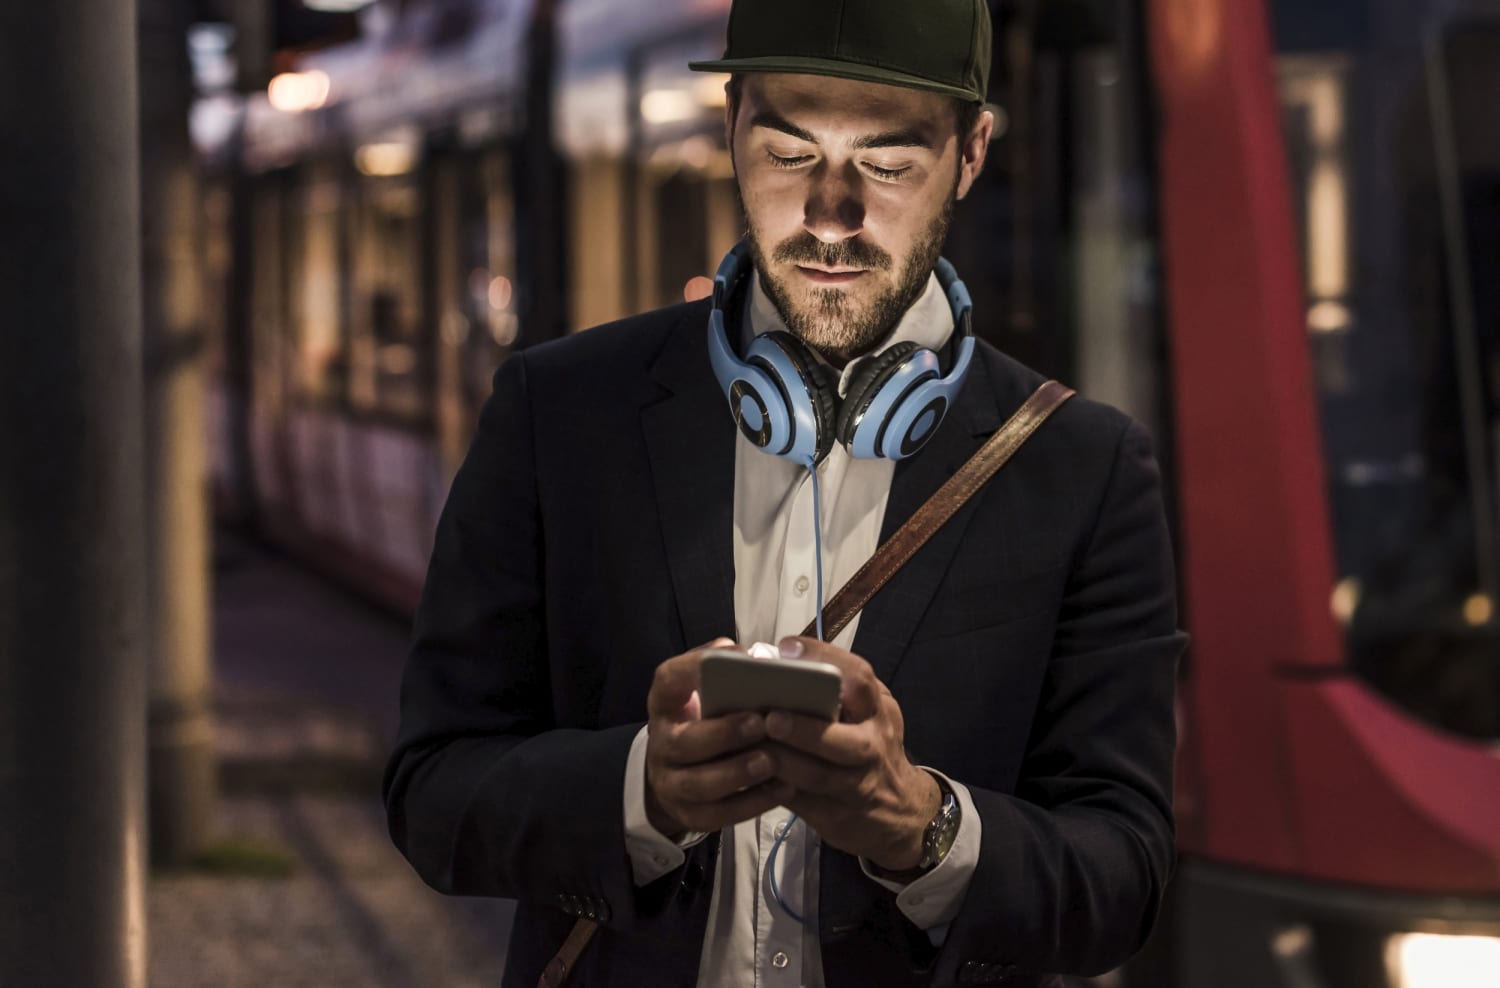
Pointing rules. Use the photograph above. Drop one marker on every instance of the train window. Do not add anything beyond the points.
(680, 204)
(268, 295)
(1395, 163)
(390, 352)
(475, 271)
(597, 257)
(690, 215)
(490, 241)
(217, 266)
(314, 275)
(654, 204)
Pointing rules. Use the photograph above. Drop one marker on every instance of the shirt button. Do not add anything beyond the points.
(661, 860)
(783, 827)
(779, 960)
(801, 585)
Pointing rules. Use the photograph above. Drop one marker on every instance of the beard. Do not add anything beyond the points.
(836, 321)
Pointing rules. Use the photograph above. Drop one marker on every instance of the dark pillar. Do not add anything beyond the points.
(541, 191)
(180, 763)
(72, 673)
(254, 25)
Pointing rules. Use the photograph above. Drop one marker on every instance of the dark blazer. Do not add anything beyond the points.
(588, 536)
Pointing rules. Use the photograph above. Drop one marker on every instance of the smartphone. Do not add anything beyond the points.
(733, 681)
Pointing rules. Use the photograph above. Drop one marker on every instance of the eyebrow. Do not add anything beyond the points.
(894, 139)
(772, 120)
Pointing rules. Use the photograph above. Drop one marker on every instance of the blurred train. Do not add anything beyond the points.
(1269, 229)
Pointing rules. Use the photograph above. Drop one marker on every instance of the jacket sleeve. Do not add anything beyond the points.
(484, 794)
(1073, 865)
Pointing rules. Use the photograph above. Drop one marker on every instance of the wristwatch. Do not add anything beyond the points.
(937, 839)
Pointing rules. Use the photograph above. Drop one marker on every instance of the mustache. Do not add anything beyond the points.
(804, 248)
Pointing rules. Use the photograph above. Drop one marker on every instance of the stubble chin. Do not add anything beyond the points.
(836, 321)
(841, 323)
(844, 323)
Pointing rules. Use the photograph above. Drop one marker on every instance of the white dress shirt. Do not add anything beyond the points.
(751, 940)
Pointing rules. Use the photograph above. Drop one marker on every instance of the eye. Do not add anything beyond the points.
(787, 161)
(887, 174)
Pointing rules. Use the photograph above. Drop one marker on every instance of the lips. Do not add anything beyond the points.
(838, 276)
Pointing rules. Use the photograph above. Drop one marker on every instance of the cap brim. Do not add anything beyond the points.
(838, 68)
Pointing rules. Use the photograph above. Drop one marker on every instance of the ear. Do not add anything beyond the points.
(973, 150)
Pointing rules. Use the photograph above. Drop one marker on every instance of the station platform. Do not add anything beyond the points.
(304, 889)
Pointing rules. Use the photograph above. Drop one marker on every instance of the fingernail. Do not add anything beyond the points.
(791, 648)
(759, 765)
(778, 725)
(752, 726)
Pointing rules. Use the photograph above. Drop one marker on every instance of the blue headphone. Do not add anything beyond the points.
(786, 402)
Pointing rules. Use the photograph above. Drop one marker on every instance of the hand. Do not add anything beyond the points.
(703, 774)
(854, 784)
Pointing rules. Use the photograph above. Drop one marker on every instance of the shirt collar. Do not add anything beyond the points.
(928, 323)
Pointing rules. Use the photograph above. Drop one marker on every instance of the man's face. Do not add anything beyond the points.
(848, 188)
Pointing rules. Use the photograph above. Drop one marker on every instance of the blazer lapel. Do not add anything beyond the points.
(690, 441)
(892, 615)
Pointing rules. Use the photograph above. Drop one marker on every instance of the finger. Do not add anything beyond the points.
(673, 685)
(691, 743)
(841, 744)
(711, 782)
(859, 695)
(746, 805)
(809, 773)
(676, 681)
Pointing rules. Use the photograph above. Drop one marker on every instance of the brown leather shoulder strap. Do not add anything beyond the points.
(943, 504)
(889, 558)
(555, 974)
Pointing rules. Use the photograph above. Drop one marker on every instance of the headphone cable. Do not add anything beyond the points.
(817, 543)
(786, 828)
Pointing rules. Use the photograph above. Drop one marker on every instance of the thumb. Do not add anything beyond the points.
(675, 686)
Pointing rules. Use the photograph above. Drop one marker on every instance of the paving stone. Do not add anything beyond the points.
(353, 914)
(306, 680)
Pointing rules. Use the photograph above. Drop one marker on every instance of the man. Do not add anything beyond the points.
(994, 803)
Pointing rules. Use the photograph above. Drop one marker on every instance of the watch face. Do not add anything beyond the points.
(942, 831)
(947, 834)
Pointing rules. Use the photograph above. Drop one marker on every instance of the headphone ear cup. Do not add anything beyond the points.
(866, 384)
(822, 387)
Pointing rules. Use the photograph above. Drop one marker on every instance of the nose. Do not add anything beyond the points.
(835, 207)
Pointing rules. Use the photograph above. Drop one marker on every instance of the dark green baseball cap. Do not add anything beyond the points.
(942, 46)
